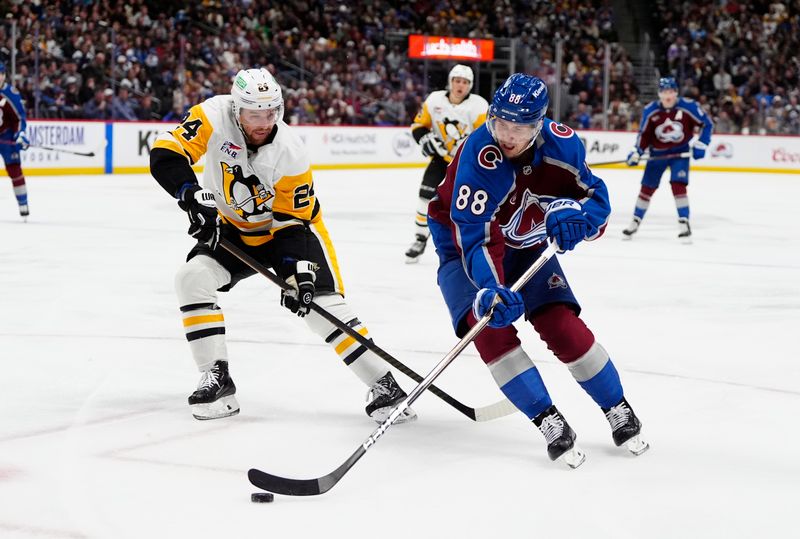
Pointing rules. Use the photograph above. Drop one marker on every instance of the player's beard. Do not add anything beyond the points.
(258, 136)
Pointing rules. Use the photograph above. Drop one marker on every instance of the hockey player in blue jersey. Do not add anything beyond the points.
(518, 181)
(13, 138)
(668, 125)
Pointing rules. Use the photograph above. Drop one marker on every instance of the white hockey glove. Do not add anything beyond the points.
(21, 138)
(633, 157)
(431, 145)
(301, 278)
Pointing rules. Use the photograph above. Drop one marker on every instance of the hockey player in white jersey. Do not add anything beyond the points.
(258, 193)
(447, 117)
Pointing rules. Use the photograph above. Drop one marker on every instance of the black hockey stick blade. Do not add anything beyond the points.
(303, 487)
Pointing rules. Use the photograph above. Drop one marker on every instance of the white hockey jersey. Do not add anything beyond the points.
(451, 123)
(259, 192)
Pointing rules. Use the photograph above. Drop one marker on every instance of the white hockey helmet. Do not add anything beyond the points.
(256, 89)
(461, 71)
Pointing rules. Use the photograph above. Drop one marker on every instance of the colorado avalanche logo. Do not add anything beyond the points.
(489, 156)
(723, 149)
(556, 281)
(246, 196)
(561, 130)
(670, 131)
(526, 227)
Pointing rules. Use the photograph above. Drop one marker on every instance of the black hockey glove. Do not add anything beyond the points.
(431, 146)
(204, 221)
(301, 278)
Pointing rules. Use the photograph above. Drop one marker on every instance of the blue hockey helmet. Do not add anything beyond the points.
(2, 66)
(521, 99)
(667, 83)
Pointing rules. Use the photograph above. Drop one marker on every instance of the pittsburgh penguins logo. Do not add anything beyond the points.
(452, 132)
(246, 196)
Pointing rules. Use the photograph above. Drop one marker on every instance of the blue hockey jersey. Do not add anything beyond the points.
(492, 203)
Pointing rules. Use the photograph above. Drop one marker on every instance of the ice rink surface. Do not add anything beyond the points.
(97, 441)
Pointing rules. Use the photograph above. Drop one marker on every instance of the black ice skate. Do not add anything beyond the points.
(685, 234)
(625, 427)
(560, 437)
(214, 397)
(416, 249)
(384, 395)
(24, 212)
(628, 233)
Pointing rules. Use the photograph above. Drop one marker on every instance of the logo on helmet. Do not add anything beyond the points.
(263, 87)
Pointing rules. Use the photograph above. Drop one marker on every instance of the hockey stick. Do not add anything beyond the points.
(644, 158)
(486, 413)
(82, 154)
(320, 485)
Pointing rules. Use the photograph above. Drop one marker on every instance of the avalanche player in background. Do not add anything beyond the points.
(446, 119)
(13, 138)
(667, 126)
(258, 192)
(517, 181)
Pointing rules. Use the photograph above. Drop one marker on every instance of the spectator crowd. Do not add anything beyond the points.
(346, 63)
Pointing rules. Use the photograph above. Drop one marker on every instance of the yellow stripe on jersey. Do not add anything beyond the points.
(255, 241)
(204, 319)
(194, 133)
(423, 118)
(479, 121)
(169, 145)
(294, 195)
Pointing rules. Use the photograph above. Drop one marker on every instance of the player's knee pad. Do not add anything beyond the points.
(565, 334)
(197, 281)
(678, 189)
(14, 171)
(494, 343)
(335, 305)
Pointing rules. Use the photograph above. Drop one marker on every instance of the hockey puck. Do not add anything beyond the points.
(262, 497)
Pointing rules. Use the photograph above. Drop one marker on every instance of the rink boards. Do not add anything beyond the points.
(124, 147)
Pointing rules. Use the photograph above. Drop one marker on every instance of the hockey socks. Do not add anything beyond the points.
(643, 202)
(18, 182)
(525, 390)
(196, 285)
(362, 361)
(204, 325)
(681, 199)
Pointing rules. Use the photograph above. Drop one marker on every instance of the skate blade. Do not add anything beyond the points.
(380, 415)
(223, 407)
(573, 458)
(636, 445)
(686, 241)
(626, 237)
(410, 260)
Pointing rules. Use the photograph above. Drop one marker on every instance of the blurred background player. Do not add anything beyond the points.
(667, 126)
(446, 118)
(258, 193)
(514, 183)
(13, 138)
